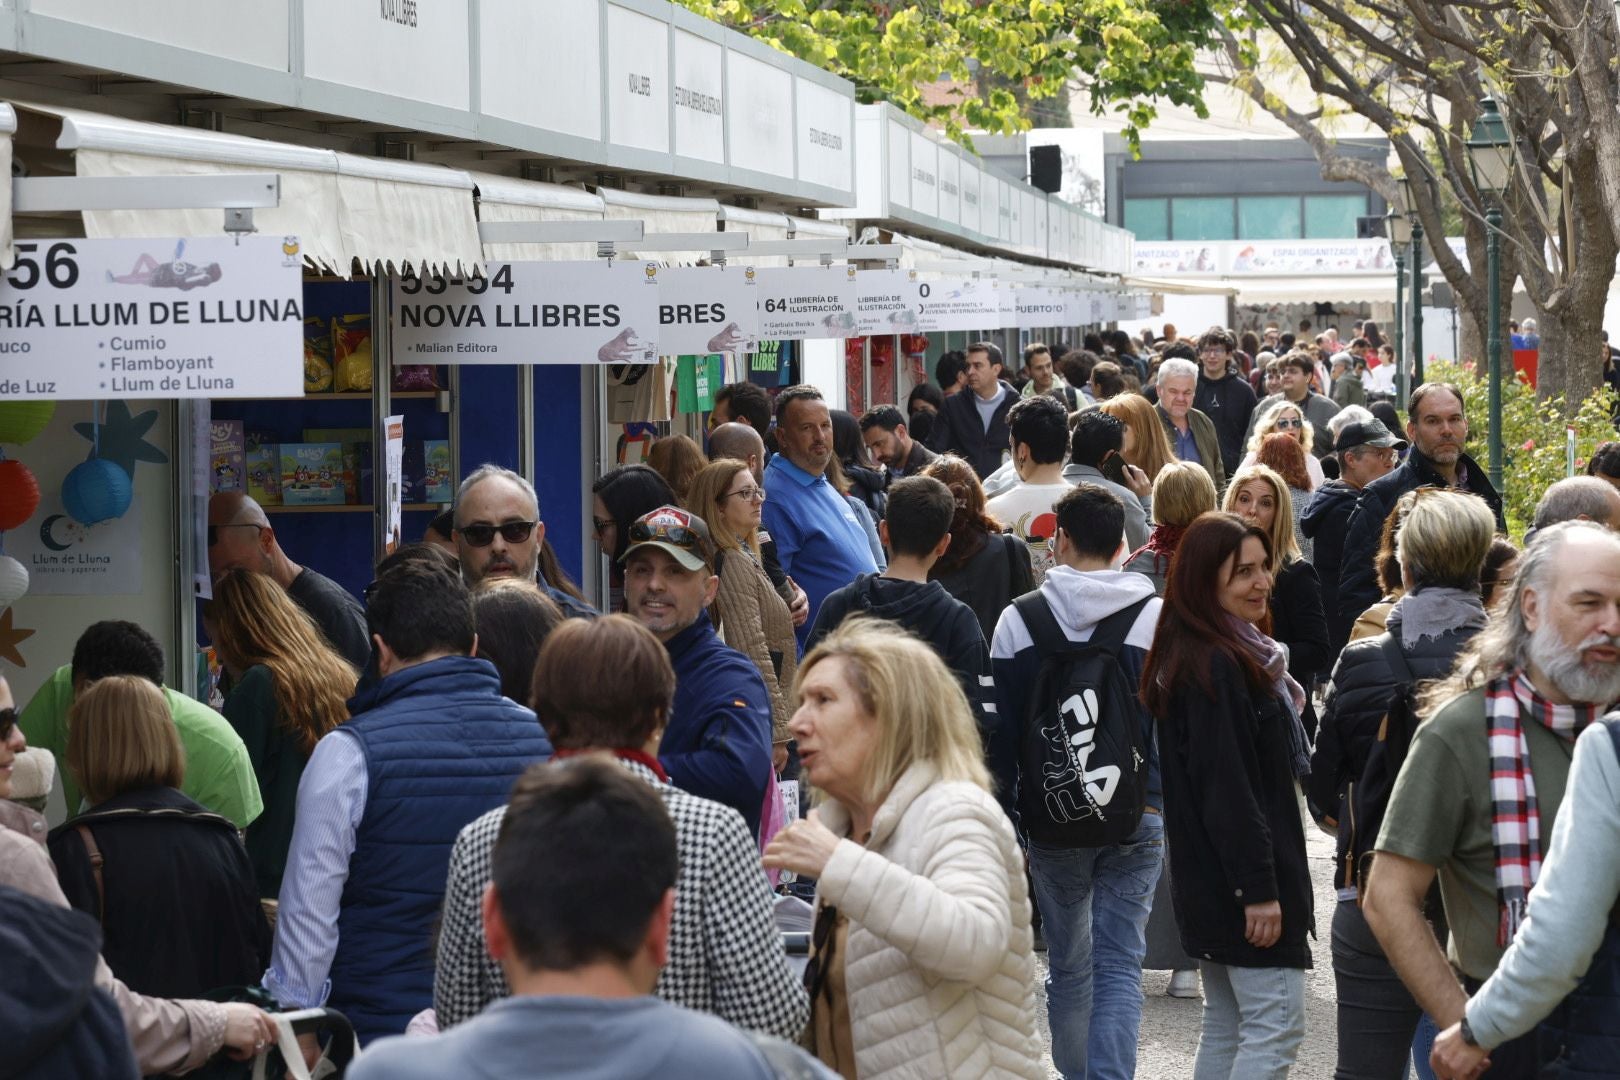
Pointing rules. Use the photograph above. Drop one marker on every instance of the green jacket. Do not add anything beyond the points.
(218, 772)
(1205, 438)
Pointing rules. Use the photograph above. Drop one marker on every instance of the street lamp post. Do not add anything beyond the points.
(1411, 190)
(1490, 158)
(1399, 229)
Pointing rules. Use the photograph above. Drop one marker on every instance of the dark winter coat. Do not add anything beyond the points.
(1323, 524)
(869, 487)
(1353, 709)
(1297, 621)
(1232, 819)
(988, 582)
(1229, 403)
(182, 913)
(958, 430)
(1358, 578)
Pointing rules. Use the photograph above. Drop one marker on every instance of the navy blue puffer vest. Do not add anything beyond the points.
(1582, 1036)
(442, 747)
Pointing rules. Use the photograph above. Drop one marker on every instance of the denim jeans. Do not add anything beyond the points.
(1094, 909)
(1254, 1021)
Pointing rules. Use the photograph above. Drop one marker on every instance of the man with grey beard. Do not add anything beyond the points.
(1481, 786)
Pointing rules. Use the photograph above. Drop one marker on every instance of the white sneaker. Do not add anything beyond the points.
(1184, 984)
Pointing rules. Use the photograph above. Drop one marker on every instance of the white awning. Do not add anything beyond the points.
(1355, 289)
(759, 225)
(1181, 286)
(341, 207)
(664, 214)
(501, 198)
(809, 228)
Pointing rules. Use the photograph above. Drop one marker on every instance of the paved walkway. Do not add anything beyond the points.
(1169, 1040)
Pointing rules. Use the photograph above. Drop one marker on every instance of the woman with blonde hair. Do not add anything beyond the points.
(168, 880)
(678, 459)
(1284, 455)
(1260, 497)
(289, 687)
(748, 612)
(1146, 444)
(1182, 491)
(923, 956)
(1286, 417)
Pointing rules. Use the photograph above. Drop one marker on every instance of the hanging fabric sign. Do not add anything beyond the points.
(887, 302)
(597, 312)
(807, 302)
(708, 309)
(202, 317)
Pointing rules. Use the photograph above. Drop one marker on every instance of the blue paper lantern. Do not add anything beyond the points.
(96, 490)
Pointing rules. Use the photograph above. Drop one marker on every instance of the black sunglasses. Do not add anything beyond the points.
(8, 720)
(513, 532)
(679, 535)
(213, 530)
(821, 939)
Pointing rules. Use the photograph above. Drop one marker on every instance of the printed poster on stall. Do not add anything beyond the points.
(807, 302)
(65, 558)
(1038, 305)
(597, 312)
(200, 317)
(394, 462)
(708, 309)
(958, 304)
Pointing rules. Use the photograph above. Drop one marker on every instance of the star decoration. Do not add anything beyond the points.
(123, 437)
(11, 638)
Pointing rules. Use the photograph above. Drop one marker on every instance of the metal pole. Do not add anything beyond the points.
(1493, 336)
(1400, 327)
(1417, 302)
(382, 405)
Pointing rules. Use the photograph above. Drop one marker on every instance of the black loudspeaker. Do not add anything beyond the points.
(1046, 168)
(1442, 295)
(1369, 228)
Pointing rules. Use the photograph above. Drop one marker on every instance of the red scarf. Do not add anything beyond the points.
(1161, 543)
(640, 757)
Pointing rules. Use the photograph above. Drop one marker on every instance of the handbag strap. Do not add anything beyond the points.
(96, 861)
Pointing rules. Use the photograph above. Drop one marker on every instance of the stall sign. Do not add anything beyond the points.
(202, 317)
(530, 313)
(959, 304)
(394, 462)
(708, 309)
(1042, 306)
(887, 302)
(65, 558)
(807, 302)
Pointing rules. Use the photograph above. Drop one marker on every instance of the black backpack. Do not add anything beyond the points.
(1083, 765)
(1368, 796)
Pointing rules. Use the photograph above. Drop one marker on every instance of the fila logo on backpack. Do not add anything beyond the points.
(1082, 760)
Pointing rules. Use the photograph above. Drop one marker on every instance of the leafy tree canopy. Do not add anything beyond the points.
(1126, 54)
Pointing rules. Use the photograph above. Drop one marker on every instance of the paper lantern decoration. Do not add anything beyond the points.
(13, 581)
(21, 421)
(19, 494)
(96, 490)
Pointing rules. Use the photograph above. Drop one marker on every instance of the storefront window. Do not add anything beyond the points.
(1333, 217)
(1149, 219)
(1268, 217)
(1202, 219)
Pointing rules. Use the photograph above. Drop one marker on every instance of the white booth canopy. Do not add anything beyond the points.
(760, 225)
(343, 208)
(501, 198)
(664, 214)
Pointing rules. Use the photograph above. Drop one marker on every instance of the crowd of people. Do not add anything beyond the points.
(1071, 659)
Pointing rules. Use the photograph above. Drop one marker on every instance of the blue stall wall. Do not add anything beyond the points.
(559, 472)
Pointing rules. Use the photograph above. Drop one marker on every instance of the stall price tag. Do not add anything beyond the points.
(531, 313)
(708, 309)
(201, 317)
(807, 302)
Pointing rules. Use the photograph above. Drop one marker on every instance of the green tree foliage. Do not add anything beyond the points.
(1534, 434)
(1126, 54)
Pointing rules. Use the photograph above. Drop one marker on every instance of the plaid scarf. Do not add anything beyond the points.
(1515, 820)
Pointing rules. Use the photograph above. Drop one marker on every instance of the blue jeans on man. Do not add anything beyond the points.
(1094, 905)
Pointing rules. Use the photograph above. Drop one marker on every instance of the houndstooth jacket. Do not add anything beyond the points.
(725, 954)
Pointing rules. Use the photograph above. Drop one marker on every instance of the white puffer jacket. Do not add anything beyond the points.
(940, 968)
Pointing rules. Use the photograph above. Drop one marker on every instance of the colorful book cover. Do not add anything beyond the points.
(356, 443)
(226, 465)
(263, 465)
(438, 485)
(312, 474)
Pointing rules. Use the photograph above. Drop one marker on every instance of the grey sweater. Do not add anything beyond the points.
(1580, 879)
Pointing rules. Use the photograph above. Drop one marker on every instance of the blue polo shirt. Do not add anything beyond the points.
(819, 540)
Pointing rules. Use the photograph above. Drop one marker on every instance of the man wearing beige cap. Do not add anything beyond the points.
(717, 743)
